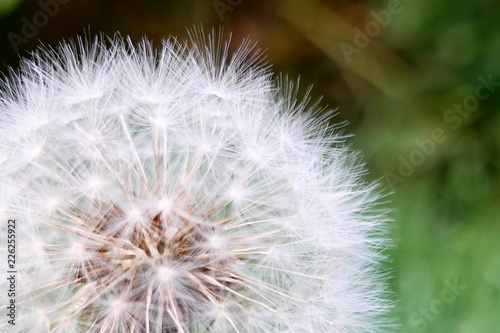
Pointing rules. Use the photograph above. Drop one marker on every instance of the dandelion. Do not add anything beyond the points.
(181, 190)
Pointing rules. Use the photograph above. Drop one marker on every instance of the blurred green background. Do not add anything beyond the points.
(411, 79)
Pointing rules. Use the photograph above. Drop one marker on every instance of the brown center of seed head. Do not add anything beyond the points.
(125, 258)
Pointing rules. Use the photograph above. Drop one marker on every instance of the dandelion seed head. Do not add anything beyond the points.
(165, 205)
(182, 189)
(36, 151)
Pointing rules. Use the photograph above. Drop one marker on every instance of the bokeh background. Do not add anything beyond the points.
(410, 77)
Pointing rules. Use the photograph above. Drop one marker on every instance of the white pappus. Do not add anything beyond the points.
(181, 189)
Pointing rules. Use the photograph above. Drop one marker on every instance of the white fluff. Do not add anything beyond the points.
(181, 190)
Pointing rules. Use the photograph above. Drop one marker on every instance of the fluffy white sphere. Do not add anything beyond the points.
(181, 190)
